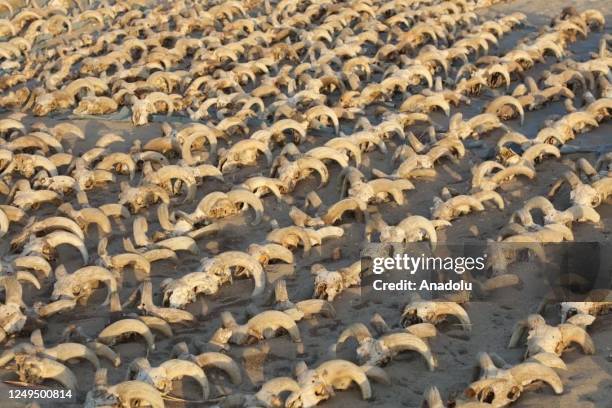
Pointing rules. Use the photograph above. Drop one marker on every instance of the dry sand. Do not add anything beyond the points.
(588, 381)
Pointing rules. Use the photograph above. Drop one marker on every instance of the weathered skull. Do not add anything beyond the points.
(217, 269)
(583, 194)
(569, 309)
(134, 197)
(373, 352)
(419, 312)
(508, 156)
(85, 178)
(288, 174)
(178, 295)
(497, 392)
(141, 109)
(497, 260)
(156, 377)
(222, 335)
(12, 318)
(67, 287)
(440, 211)
(328, 284)
(313, 390)
(392, 234)
(361, 191)
(29, 368)
(25, 165)
(39, 246)
(44, 105)
(180, 292)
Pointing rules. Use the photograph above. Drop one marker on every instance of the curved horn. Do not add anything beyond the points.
(432, 398)
(512, 137)
(501, 281)
(483, 196)
(54, 370)
(504, 100)
(549, 360)
(13, 291)
(177, 368)
(576, 334)
(157, 324)
(398, 342)
(139, 262)
(57, 238)
(245, 196)
(385, 185)
(526, 373)
(103, 350)
(222, 362)
(45, 163)
(273, 319)
(68, 351)
(335, 212)
(342, 143)
(512, 171)
(60, 223)
(337, 372)
(121, 327)
(237, 258)
(131, 392)
(4, 224)
(316, 306)
(278, 236)
(25, 276)
(357, 330)
(454, 309)
(207, 170)
(322, 110)
(56, 307)
(182, 243)
(140, 228)
(317, 165)
(109, 138)
(36, 263)
(87, 274)
(422, 330)
(270, 251)
(540, 149)
(517, 334)
(271, 389)
(417, 222)
(324, 152)
(541, 203)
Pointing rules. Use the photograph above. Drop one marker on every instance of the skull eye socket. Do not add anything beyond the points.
(486, 395)
(411, 318)
(513, 394)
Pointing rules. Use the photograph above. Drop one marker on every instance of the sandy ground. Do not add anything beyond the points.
(588, 380)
